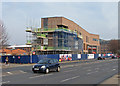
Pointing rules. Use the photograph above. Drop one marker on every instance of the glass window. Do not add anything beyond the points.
(45, 23)
(51, 61)
(55, 60)
(95, 39)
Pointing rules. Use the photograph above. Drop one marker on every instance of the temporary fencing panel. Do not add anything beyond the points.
(41, 57)
(78, 56)
(24, 59)
(90, 56)
(34, 59)
(55, 56)
(96, 56)
(65, 57)
(74, 57)
(83, 56)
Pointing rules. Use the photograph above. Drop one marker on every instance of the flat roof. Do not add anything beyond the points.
(15, 46)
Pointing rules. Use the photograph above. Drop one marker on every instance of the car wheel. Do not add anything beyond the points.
(34, 71)
(47, 70)
(58, 69)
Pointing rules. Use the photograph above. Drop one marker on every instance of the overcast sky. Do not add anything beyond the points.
(95, 17)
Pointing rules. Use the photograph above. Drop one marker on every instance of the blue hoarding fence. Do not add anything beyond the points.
(35, 58)
(16, 59)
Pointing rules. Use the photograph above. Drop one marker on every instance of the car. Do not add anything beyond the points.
(46, 65)
(101, 58)
(114, 57)
(118, 57)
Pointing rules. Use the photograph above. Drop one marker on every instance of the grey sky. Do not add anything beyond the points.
(95, 17)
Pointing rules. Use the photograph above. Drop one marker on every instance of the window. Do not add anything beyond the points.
(55, 60)
(95, 39)
(51, 61)
(87, 39)
(80, 33)
(45, 23)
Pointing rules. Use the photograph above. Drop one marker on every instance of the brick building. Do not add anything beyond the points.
(59, 35)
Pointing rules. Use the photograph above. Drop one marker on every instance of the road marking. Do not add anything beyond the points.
(5, 82)
(22, 71)
(91, 72)
(114, 69)
(10, 73)
(69, 79)
(40, 76)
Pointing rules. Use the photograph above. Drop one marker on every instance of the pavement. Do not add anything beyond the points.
(112, 80)
(77, 72)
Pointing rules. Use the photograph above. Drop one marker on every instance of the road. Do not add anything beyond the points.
(82, 72)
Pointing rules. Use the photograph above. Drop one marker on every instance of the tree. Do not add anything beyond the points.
(114, 46)
(118, 47)
(3, 36)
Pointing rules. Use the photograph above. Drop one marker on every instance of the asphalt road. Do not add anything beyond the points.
(83, 72)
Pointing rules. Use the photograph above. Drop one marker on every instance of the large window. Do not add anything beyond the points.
(45, 23)
(95, 39)
(87, 39)
(70, 41)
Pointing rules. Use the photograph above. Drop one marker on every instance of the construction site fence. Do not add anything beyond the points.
(25, 59)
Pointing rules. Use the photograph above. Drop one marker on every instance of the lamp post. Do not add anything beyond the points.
(2, 39)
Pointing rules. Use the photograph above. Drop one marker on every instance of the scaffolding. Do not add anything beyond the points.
(54, 41)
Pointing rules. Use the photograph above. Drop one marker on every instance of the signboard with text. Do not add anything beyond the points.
(90, 56)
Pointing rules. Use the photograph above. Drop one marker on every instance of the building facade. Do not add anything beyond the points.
(59, 35)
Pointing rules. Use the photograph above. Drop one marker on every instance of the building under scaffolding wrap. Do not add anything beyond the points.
(56, 37)
(56, 41)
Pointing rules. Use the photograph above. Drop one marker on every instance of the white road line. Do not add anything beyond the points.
(10, 73)
(113, 69)
(22, 71)
(5, 82)
(40, 76)
(91, 72)
(69, 79)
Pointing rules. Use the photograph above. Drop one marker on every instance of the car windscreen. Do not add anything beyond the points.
(43, 61)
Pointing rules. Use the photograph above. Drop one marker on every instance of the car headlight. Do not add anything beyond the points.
(43, 66)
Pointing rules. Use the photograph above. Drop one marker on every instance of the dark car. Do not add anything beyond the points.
(114, 57)
(101, 58)
(46, 65)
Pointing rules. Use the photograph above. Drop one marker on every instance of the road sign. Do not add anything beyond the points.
(33, 53)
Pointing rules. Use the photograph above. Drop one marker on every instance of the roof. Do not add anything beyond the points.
(53, 17)
(15, 46)
(15, 52)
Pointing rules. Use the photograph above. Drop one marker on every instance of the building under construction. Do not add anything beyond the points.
(58, 35)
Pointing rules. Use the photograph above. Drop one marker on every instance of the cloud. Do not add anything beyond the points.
(98, 18)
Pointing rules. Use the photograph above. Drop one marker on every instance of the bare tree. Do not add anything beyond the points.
(3, 35)
(114, 46)
(118, 47)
